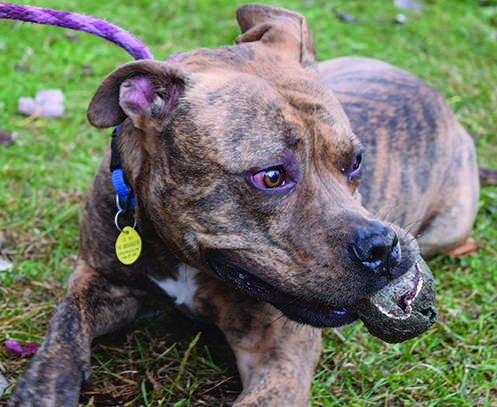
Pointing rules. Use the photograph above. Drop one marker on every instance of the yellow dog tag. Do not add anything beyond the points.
(128, 245)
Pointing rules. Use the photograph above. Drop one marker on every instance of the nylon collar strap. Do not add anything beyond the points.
(119, 181)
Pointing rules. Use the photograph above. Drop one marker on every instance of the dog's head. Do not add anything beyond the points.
(245, 164)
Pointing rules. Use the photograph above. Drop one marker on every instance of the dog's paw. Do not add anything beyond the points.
(50, 380)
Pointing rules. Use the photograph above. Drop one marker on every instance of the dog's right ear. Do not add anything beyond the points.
(277, 28)
(145, 91)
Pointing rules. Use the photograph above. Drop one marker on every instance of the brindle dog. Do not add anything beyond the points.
(245, 163)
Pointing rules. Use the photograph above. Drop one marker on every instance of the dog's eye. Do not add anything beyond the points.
(357, 162)
(356, 167)
(274, 179)
(270, 178)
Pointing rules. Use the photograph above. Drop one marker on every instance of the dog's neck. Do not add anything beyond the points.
(123, 190)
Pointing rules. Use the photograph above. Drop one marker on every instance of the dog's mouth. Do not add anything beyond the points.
(298, 309)
(401, 310)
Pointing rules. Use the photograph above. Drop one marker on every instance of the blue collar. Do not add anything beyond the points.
(121, 185)
(119, 181)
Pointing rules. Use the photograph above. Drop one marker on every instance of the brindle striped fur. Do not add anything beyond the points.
(201, 122)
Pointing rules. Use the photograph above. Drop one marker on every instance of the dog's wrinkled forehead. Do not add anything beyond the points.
(248, 112)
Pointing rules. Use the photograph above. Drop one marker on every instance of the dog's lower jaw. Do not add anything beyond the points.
(299, 310)
(317, 315)
(398, 311)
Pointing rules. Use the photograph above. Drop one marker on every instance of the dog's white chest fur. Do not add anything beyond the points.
(181, 289)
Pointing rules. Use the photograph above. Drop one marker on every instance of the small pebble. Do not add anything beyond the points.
(400, 18)
(345, 17)
(71, 35)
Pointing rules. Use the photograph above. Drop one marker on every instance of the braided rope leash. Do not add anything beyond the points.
(76, 21)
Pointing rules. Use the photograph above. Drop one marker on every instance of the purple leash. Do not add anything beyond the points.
(78, 22)
(95, 26)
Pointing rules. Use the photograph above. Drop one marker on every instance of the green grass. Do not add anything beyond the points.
(45, 174)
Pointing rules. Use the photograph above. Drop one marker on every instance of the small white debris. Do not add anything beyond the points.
(46, 104)
(400, 18)
(5, 265)
(26, 105)
(3, 384)
(411, 5)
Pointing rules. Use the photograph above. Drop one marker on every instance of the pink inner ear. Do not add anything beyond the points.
(137, 94)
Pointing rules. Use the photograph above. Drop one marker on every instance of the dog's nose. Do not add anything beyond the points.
(377, 247)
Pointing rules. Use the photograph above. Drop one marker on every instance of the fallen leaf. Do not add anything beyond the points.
(469, 247)
(13, 345)
(7, 138)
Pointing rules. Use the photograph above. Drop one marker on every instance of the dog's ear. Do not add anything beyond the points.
(284, 30)
(145, 91)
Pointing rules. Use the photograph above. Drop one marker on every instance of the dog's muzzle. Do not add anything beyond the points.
(401, 310)
(315, 314)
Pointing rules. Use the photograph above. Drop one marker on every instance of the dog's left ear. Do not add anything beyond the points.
(278, 28)
(146, 91)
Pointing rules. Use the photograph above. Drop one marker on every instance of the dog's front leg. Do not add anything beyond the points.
(92, 307)
(276, 362)
(276, 357)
